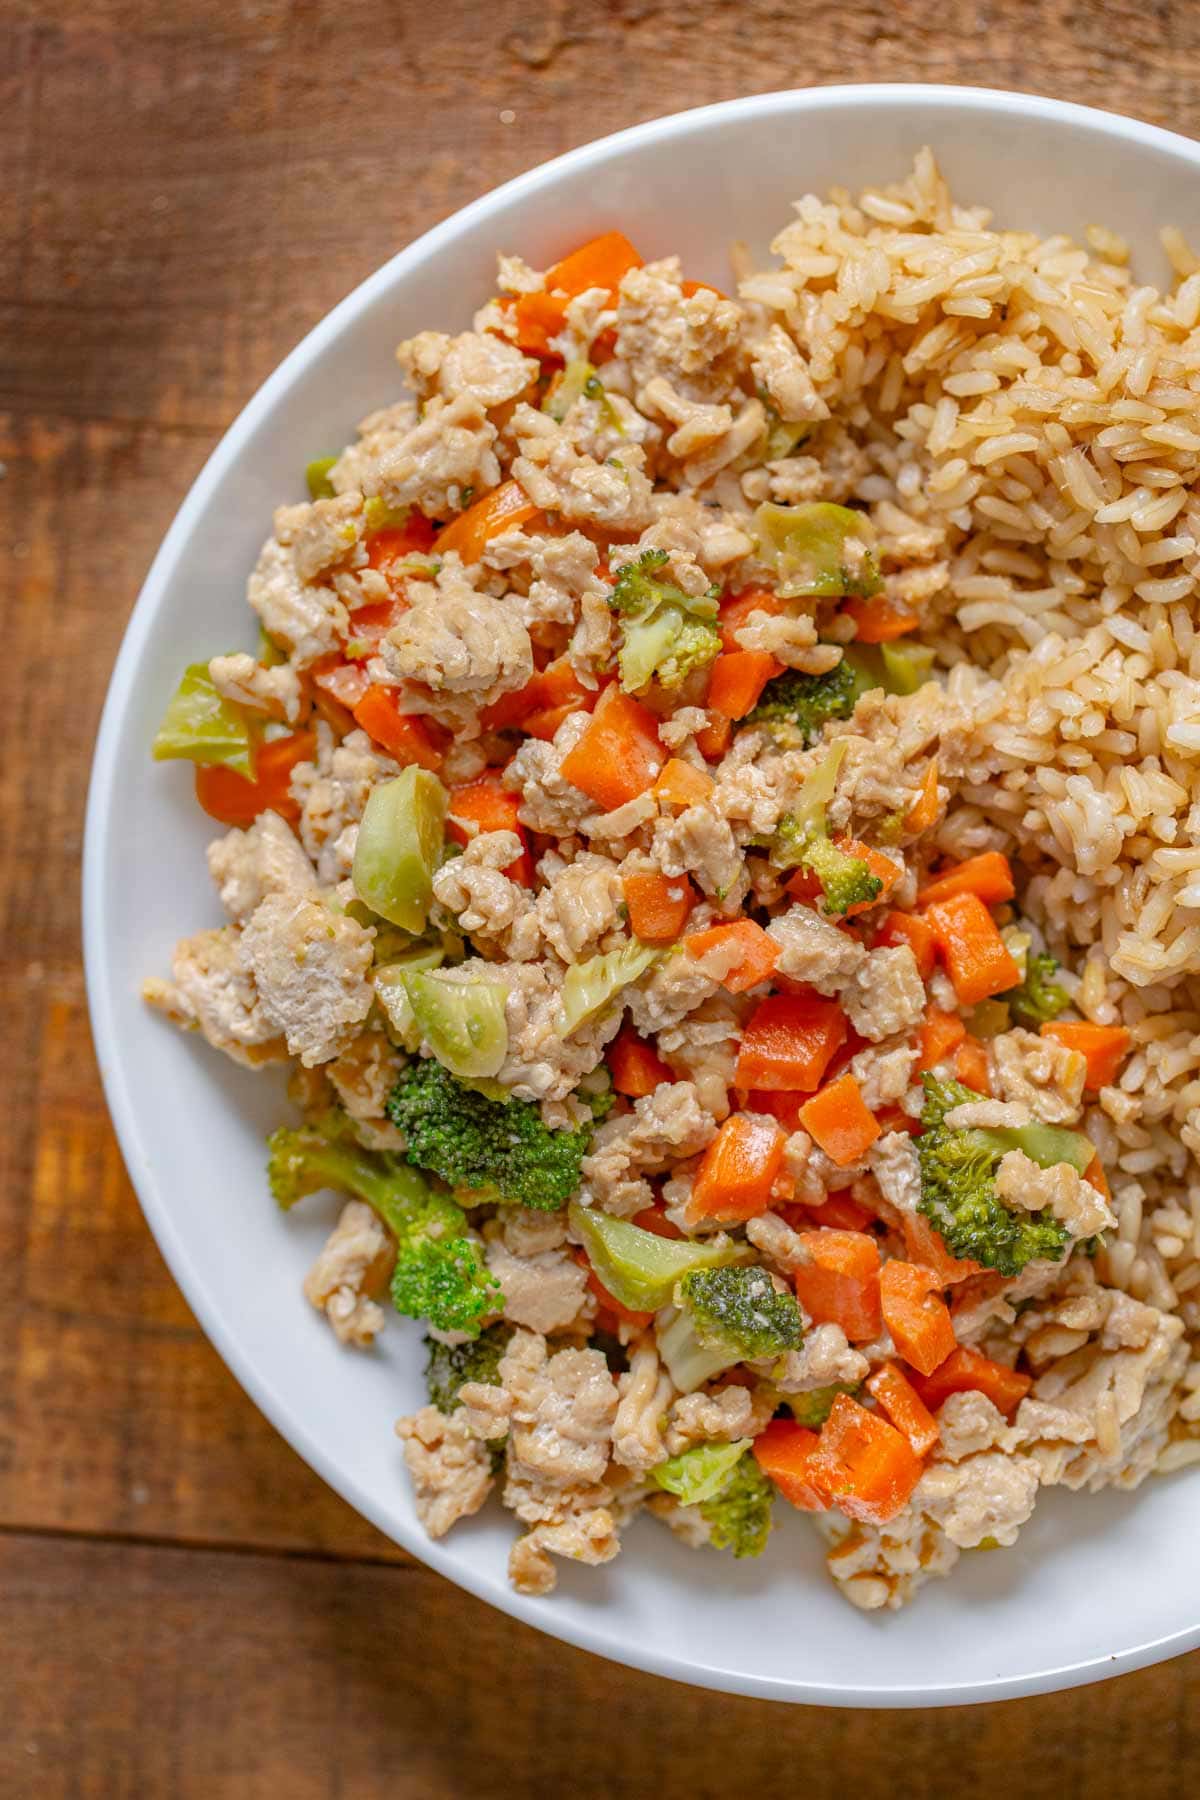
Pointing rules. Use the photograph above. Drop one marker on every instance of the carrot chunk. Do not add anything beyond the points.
(915, 1314)
(713, 739)
(837, 1119)
(600, 263)
(789, 1042)
(736, 609)
(840, 1286)
(910, 929)
(938, 1037)
(488, 806)
(500, 510)
(926, 1245)
(965, 1370)
(878, 620)
(976, 956)
(895, 1393)
(738, 679)
(783, 1452)
(924, 810)
(971, 1065)
(1101, 1046)
(737, 1170)
(235, 799)
(619, 754)
(682, 785)
(658, 905)
(405, 737)
(635, 1066)
(988, 876)
(759, 952)
(865, 1465)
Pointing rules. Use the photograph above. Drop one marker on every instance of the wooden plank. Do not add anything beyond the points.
(138, 1672)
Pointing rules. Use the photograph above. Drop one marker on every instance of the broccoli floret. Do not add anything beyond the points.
(803, 837)
(440, 1274)
(448, 1366)
(739, 1517)
(805, 702)
(666, 634)
(958, 1188)
(485, 1149)
(727, 1315)
(1039, 996)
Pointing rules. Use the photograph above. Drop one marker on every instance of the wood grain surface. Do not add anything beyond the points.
(185, 1610)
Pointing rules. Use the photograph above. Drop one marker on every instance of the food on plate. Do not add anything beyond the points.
(711, 824)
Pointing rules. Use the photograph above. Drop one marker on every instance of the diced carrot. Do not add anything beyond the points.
(837, 1120)
(604, 346)
(500, 510)
(549, 695)
(346, 681)
(894, 1118)
(878, 620)
(737, 1170)
(738, 678)
(965, 1370)
(1094, 1173)
(635, 1066)
(938, 1037)
(488, 806)
(910, 929)
(789, 1041)
(600, 263)
(759, 952)
(406, 738)
(1101, 1046)
(840, 1286)
(977, 958)
(924, 810)
(658, 905)
(926, 1245)
(866, 1466)
(682, 785)
(915, 1314)
(837, 1212)
(886, 871)
(971, 1065)
(736, 609)
(713, 739)
(619, 754)
(895, 1393)
(988, 876)
(783, 1452)
(782, 1106)
(538, 318)
(395, 542)
(235, 799)
(654, 1219)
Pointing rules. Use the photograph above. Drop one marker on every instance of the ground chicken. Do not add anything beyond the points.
(646, 1392)
(307, 617)
(989, 1495)
(264, 859)
(212, 991)
(779, 367)
(542, 1064)
(814, 951)
(549, 804)
(451, 1470)
(968, 1423)
(543, 1286)
(356, 468)
(558, 477)
(694, 343)
(696, 842)
(703, 1049)
(1043, 1074)
(479, 365)
(579, 911)
(364, 1074)
(885, 996)
(824, 1358)
(350, 1272)
(458, 641)
(495, 911)
(1073, 1201)
(332, 793)
(664, 1128)
(310, 967)
(561, 574)
(275, 691)
(722, 1417)
(446, 455)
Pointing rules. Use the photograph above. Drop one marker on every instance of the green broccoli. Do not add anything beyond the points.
(666, 634)
(739, 1517)
(814, 1407)
(958, 1172)
(449, 1366)
(805, 702)
(485, 1149)
(440, 1274)
(1039, 996)
(803, 837)
(727, 1315)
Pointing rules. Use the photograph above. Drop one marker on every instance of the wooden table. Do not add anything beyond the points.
(185, 1609)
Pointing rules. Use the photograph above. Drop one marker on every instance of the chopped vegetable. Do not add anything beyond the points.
(635, 1066)
(440, 1274)
(398, 847)
(906, 668)
(485, 1149)
(879, 620)
(846, 879)
(938, 1038)
(387, 978)
(865, 1465)
(813, 1408)
(784, 1454)
(971, 1065)
(806, 702)
(759, 951)
(789, 1041)
(988, 876)
(600, 263)
(665, 633)
(1039, 998)
(738, 608)
(462, 1020)
(737, 1171)
(487, 805)
(890, 1387)
(915, 1314)
(567, 388)
(503, 509)
(200, 726)
(229, 797)
(658, 905)
(1101, 1046)
(449, 1366)
(977, 959)
(837, 1120)
(406, 738)
(966, 1370)
(680, 784)
(817, 548)
(922, 814)
(738, 679)
(316, 476)
(713, 739)
(642, 1268)
(726, 1316)
(926, 1246)
(840, 1285)
(699, 1474)
(910, 929)
(619, 754)
(739, 1517)
(588, 987)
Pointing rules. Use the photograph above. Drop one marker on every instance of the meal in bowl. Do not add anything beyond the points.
(712, 827)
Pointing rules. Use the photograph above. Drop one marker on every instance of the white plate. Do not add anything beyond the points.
(1096, 1585)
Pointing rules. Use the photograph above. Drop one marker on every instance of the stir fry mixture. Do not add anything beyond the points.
(682, 829)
